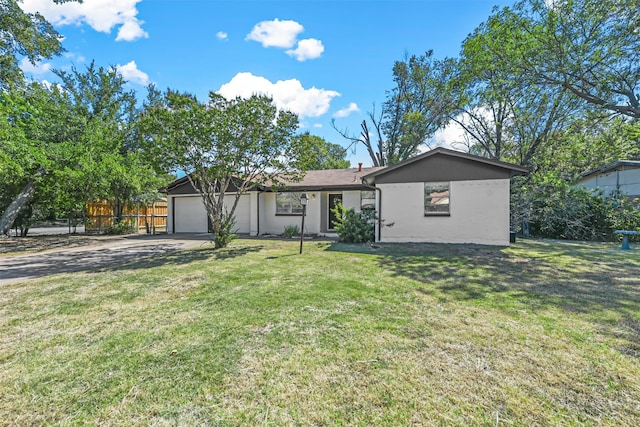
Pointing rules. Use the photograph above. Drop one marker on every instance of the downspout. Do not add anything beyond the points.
(379, 191)
(173, 215)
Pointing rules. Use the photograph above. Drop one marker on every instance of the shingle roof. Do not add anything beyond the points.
(333, 179)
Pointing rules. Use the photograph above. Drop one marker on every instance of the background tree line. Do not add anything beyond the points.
(551, 85)
(87, 137)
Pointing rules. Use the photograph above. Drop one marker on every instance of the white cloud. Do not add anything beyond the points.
(276, 33)
(131, 73)
(451, 136)
(38, 69)
(222, 35)
(101, 15)
(130, 31)
(345, 112)
(317, 125)
(307, 49)
(287, 94)
(72, 56)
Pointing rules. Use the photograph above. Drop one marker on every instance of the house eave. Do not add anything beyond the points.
(515, 169)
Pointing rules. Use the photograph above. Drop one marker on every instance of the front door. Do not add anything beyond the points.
(334, 200)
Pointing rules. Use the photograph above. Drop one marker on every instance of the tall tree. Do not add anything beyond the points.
(224, 146)
(417, 106)
(591, 48)
(46, 128)
(414, 110)
(323, 154)
(77, 144)
(375, 149)
(505, 115)
(24, 35)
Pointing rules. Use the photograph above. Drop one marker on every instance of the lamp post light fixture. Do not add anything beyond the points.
(304, 201)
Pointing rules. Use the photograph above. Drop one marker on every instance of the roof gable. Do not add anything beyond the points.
(441, 164)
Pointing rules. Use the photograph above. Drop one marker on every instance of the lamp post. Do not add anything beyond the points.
(304, 201)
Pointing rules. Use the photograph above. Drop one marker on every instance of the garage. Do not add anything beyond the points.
(191, 216)
(243, 213)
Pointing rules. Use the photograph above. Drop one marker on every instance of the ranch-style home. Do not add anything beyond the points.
(440, 196)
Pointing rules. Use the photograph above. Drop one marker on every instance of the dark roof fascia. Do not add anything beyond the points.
(185, 181)
(609, 167)
(298, 188)
(515, 169)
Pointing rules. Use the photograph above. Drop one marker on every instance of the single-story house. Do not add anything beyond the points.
(619, 177)
(267, 211)
(441, 196)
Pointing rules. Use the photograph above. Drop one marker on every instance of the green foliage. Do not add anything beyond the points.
(226, 146)
(24, 34)
(323, 154)
(588, 144)
(122, 227)
(554, 209)
(76, 140)
(416, 107)
(355, 227)
(291, 231)
(583, 46)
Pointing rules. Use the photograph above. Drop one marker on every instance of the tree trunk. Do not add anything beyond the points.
(11, 213)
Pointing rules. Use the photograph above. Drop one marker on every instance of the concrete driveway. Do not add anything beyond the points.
(104, 252)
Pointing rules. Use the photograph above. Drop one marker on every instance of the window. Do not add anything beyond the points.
(288, 204)
(436, 198)
(367, 200)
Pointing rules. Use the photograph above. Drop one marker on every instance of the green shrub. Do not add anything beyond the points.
(122, 227)
(555, 209)
(291, 231)
(354, 227)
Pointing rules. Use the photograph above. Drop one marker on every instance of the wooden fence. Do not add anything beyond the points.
(150, 217)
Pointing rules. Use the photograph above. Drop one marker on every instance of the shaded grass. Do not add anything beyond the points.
(540, 333)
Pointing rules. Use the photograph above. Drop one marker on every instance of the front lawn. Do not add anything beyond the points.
(542, 333)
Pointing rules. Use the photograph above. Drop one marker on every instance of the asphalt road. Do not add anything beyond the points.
(105, 253)
(50, 231)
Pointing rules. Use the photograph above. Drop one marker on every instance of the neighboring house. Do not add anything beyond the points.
(620, 177)
(440, 196)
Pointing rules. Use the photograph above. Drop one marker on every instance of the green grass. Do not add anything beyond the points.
(541, 333)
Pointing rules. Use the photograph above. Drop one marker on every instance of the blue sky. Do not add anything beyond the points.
(322, 59)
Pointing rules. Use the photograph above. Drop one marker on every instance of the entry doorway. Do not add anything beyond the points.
(334, 200)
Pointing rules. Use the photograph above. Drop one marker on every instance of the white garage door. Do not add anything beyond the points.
(190, 215)
(243, 213)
